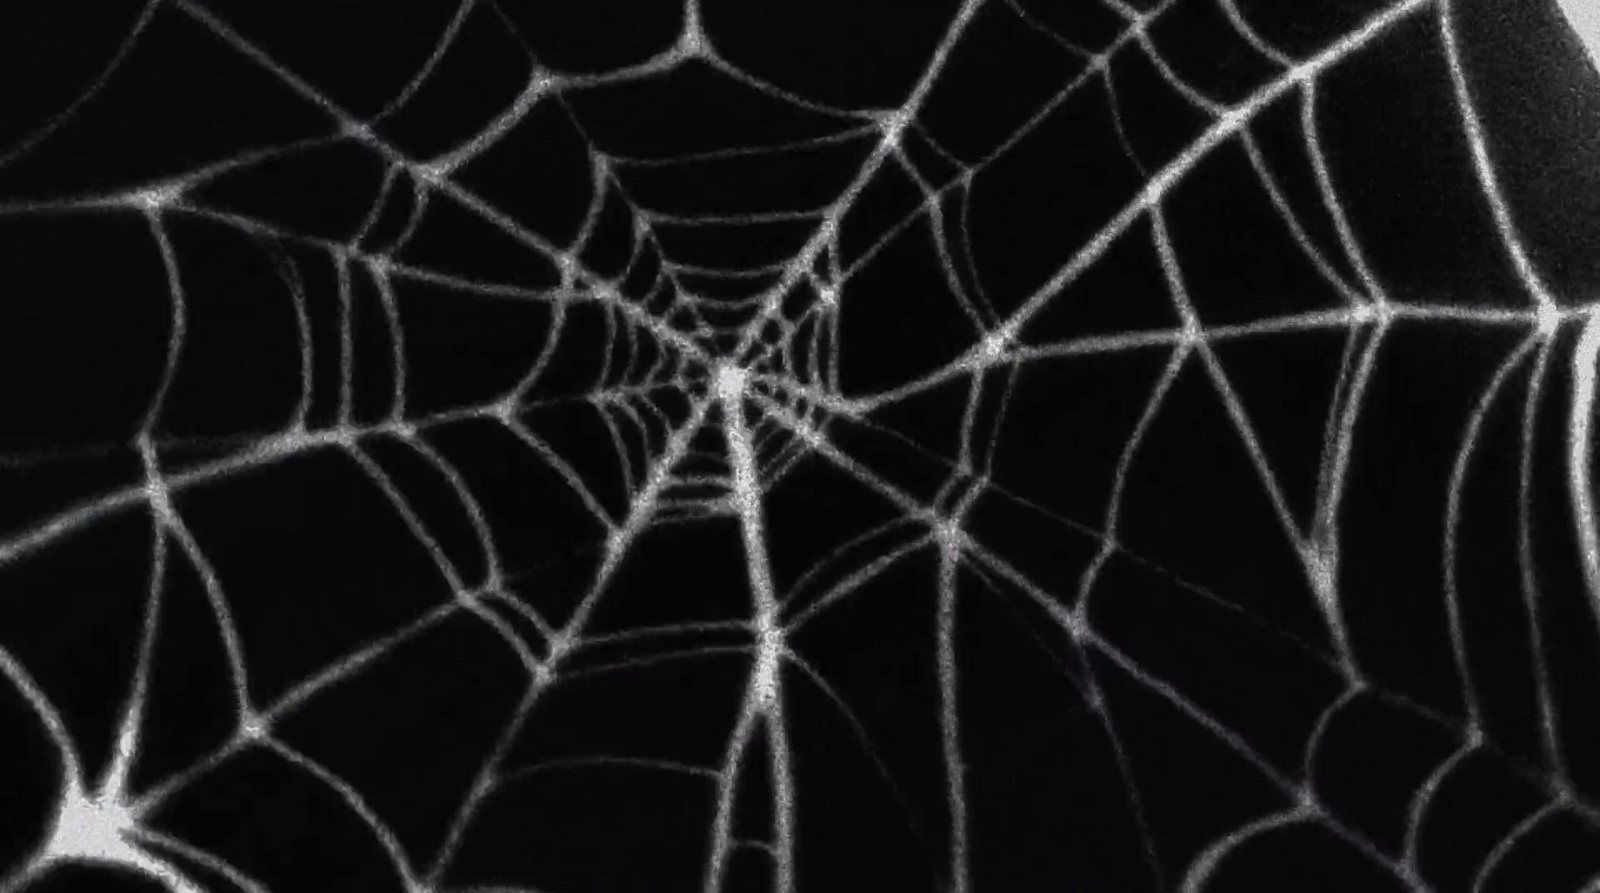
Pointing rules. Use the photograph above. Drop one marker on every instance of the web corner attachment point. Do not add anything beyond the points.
(94, 829)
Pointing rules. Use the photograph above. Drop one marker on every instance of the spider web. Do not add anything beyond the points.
(1077, 469)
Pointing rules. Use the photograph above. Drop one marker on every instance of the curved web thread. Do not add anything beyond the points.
(709, 404)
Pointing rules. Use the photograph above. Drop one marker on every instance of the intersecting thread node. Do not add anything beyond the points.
(157, 197)
(893, 125)
(252, 728)
(1548, 317)
(994, 346)
(732, 380)
(950, 535)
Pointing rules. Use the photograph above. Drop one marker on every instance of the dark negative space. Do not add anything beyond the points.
(956, 445)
